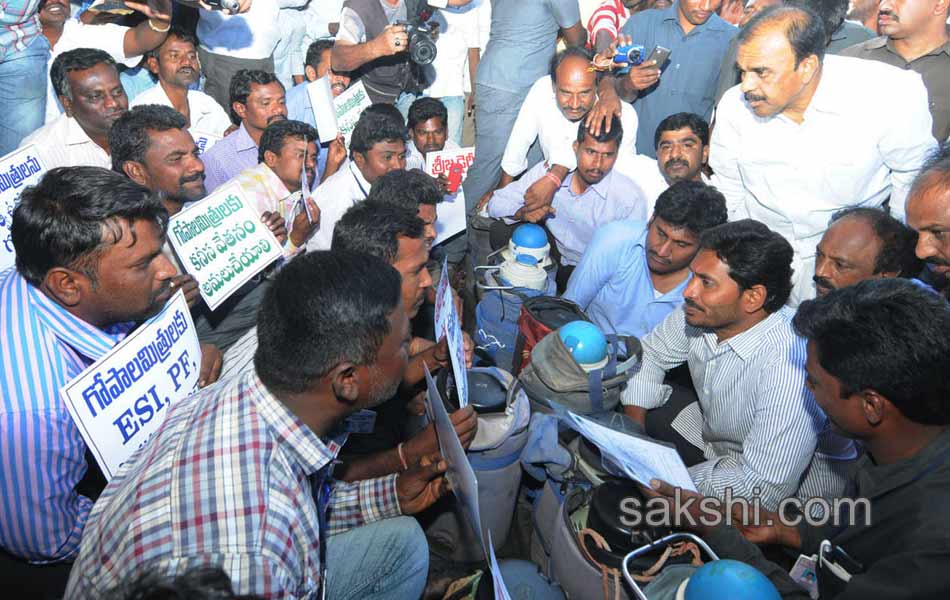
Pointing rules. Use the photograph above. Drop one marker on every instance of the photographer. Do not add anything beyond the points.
(373, 37)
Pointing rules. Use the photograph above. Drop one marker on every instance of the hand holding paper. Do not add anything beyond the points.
(423, 484)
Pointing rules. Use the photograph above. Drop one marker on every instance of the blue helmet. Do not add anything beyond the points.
(729, 580)
(585, 341)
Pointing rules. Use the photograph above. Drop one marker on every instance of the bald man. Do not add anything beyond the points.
(928, 212)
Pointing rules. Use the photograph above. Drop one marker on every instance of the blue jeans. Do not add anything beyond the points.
(382, 560)
(404, 101)
(455, 105)
(22, 93)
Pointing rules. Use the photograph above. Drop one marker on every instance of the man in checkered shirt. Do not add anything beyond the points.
(240, 475)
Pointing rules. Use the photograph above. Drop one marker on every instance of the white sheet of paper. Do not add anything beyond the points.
(120, 400)
(641, 459)
(18, 170)
(456, 343)
(440, 299)
(222, 242)
(324, 113)
(450, 217)
(459, 473)
(498, 583)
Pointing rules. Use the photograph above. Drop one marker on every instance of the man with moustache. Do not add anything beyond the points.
(633, 273)
(914, 36)
(593, 195)
(89, 267)
(757, 426)
(283, 525)
(550, 115)
(153, 148)
(125, 45)
(864, 243)
(928, 212)
(175, 64)
(257, 100)
(428, 131)
(797, 141)
(682, 150)
(88, 86)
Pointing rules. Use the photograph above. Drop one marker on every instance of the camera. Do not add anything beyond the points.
(422, 48)
(632, 54)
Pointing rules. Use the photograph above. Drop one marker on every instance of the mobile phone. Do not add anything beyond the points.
(660, 55)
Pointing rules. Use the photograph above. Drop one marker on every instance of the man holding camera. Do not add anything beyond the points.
(374, 37)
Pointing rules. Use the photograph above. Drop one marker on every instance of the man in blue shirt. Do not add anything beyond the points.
(697, 38)
(89, 267)
(633, 273)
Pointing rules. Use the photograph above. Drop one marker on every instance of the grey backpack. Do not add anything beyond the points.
(554, 376)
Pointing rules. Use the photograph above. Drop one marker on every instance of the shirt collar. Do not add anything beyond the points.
(874, 480)
(88, 340)
(75, 134)
(714, 23)
(242, 140)
(293, 435)
(363, 184)
(600, 188)
(747, 343)
(829, 97)
(886, 42)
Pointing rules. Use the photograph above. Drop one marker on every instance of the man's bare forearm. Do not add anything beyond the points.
(349, 57)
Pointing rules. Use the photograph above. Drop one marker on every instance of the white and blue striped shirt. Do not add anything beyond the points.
(760, 426)
(42, 454)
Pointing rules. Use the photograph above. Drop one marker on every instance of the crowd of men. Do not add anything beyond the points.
(765, 202)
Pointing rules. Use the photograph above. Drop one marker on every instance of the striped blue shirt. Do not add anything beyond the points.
(760, 426)
(42, 454)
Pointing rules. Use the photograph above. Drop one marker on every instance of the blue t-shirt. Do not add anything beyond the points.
(522, 41)
(689, 78)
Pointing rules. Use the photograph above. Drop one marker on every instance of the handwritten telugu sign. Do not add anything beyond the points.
(121, 399)
(349, 106)
(19, 169)
(222, 243)
(450, 213)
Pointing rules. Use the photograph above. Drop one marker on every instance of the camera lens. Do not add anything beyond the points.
(422, 49)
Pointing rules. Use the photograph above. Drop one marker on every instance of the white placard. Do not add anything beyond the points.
(456, 343)
(348, 107)
(450, 213)
(640, 459)
(498, 583)
(459, 471)
(324, 113)
(119, 401)
(19, 169)
(205, 140)
(222, 242)
(440, 300)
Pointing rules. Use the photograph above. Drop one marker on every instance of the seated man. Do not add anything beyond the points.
(590, 197)
(377, 146)
(175, 64)
(257, 100)
(88, 86)
(864, 243)
(760, 431)
(878, 366)
(288, 155)
(682, 149)
(89, 268)
(428, 131)
(412, 190)
(153, 148)
(333, 340)
(550, 114)
(633, 273)
(316, 66)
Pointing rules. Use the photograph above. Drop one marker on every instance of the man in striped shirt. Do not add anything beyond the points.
(759, 429)
(240, 475)
(89, 266)
(606, 21)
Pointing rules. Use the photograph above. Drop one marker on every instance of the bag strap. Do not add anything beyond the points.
(595, 384)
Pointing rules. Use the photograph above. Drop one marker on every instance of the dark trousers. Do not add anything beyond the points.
(659, 420)
(219, 69)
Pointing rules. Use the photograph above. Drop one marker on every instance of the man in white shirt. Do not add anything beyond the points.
(458, 43)
(681, 143)
(88, 86)
(428, 131)
(125, 45)
(230, 43)
(378, 146)
(550, 113)
(804, 134)
(175, 63)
